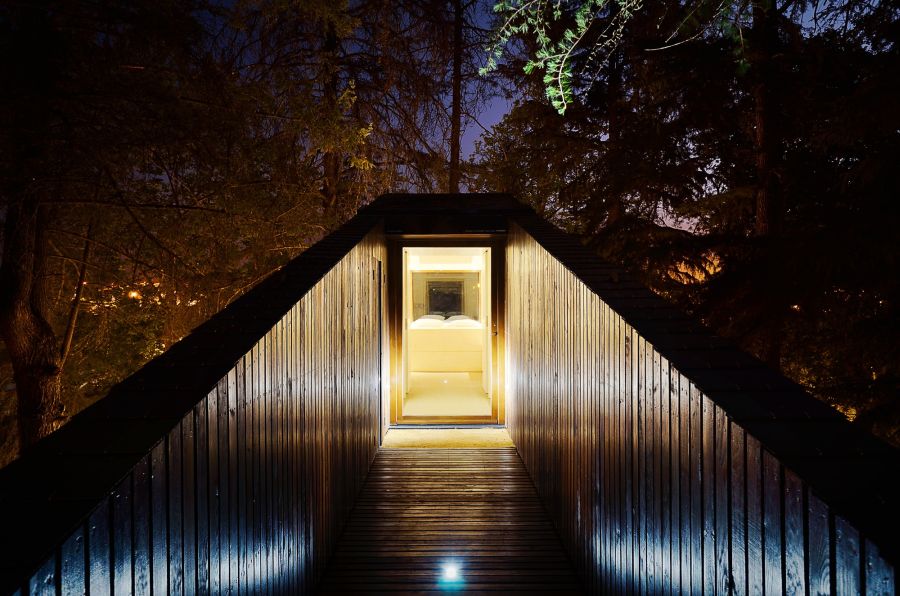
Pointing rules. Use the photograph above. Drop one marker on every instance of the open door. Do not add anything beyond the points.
(447, 336)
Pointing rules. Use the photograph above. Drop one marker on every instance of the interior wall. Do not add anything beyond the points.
(654, 487)
(471, 293)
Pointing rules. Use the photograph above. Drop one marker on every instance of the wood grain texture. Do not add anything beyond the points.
(667, 461)
(424, 509)
(249, 490)
(691, 499)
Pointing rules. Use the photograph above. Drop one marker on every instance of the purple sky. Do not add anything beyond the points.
(492, 114)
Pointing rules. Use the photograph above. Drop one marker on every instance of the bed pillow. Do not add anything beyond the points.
(423, 323)
(459, 318)
(435, 317)
(465, 323)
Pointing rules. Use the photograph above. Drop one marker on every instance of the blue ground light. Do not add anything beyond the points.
(451, 576)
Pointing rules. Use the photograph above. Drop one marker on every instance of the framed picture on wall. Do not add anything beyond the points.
(445, 296)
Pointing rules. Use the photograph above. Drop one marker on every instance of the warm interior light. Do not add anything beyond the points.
(457, 258)
(446, 345)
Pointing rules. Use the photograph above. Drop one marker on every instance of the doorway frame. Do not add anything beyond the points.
(395, 246)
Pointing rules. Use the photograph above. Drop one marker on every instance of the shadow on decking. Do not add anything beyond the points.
(449, 520)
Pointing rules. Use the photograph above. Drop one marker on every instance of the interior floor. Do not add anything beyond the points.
(446, 394)
(446, 438)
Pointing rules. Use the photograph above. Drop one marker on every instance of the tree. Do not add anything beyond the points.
(456, 102)
(769, 155)
(159, 159)
(133, 153)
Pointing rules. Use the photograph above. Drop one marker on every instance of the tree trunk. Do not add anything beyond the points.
(32, 345)
(456, 108)
(769, 207)
(764, 36)
(331, 161)
(613, 205)
(30, 341)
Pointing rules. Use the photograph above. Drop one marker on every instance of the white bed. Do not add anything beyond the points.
(454, 344)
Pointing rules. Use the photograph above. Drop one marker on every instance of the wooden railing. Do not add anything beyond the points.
(671, 462)
(229, 464)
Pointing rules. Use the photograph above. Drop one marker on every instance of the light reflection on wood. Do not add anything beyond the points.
(653, 488)
(250, 491)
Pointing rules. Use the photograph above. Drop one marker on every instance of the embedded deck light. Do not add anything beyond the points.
(451, 577)
(451, 572)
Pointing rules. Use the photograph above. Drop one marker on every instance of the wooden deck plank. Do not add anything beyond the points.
(422, 509)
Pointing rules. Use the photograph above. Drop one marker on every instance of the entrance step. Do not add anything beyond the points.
(446, 438)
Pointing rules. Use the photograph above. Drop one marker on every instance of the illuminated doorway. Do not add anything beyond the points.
(446, 335)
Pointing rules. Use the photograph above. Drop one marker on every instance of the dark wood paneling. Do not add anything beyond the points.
(141, 527)
(697, 494)
(44, 582)
(422, 509)
(159, 521)
(73, 578)
(668, 461)
(98, 560)
(122, 540)
(250, 489)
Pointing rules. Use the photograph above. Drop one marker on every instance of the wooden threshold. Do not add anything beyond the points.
(480, 420)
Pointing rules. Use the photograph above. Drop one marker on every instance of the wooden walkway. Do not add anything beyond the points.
(449, 520)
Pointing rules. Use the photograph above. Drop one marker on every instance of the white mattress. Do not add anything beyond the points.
(446, 348)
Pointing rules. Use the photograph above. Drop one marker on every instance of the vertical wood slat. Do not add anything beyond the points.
(819, 547)
(121, 525)
(847, 553)
(142, 526)
(43, 582)
(696, 463)
(773, 576)
(159, 530)
(708, 495)
(73, 576)
(755, 552)
(237, 498)
(203, 508)
(794, 573)
(188, 506)
(215, 490)
(738, 511)
(687, 500)
(98, 545)
(722, 473)
(687, 538)
(174, 512)
(879, 576)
